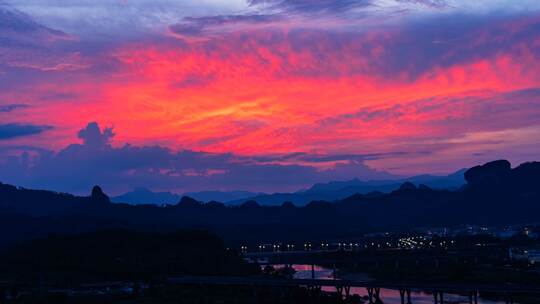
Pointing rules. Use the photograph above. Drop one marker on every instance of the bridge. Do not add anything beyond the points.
(328, 258)
(373, 288)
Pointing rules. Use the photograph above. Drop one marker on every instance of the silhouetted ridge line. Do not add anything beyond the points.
(98, 196)
(337, 190)
(187, 201)
(494, 194)
(492, 173)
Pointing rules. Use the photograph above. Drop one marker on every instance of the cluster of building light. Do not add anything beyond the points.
(405, 242)
(420, 242)
(411, 242)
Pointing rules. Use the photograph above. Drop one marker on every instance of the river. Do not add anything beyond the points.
(388, 296)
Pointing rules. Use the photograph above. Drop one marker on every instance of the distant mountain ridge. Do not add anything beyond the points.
(331, 191)
(145, 196)
(494, 194)
(221, 196)
(337, 190)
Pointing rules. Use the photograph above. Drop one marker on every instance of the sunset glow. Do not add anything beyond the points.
(393, 90)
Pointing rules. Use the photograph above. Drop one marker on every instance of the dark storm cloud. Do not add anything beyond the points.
(79, 166)
(93, 136)
(9, 131)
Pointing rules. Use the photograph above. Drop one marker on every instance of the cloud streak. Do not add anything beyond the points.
(9, 131)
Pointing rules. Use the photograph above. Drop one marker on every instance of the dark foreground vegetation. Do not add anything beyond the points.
(119, 255)
(169, 294)
(115, 266)
(120, 266)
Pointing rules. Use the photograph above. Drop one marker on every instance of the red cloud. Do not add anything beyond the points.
(283, 90)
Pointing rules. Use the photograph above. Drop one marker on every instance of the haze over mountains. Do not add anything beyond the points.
(330, 191)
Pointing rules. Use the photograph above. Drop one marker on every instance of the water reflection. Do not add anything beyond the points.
(389, 296)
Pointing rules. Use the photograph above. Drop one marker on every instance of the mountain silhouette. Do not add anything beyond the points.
(98, 197)
(494, 194)
(337, 190)
(146, 196)
(493, 173)
(331, 191)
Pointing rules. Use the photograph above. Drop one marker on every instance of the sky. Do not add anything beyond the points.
(262, 95)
